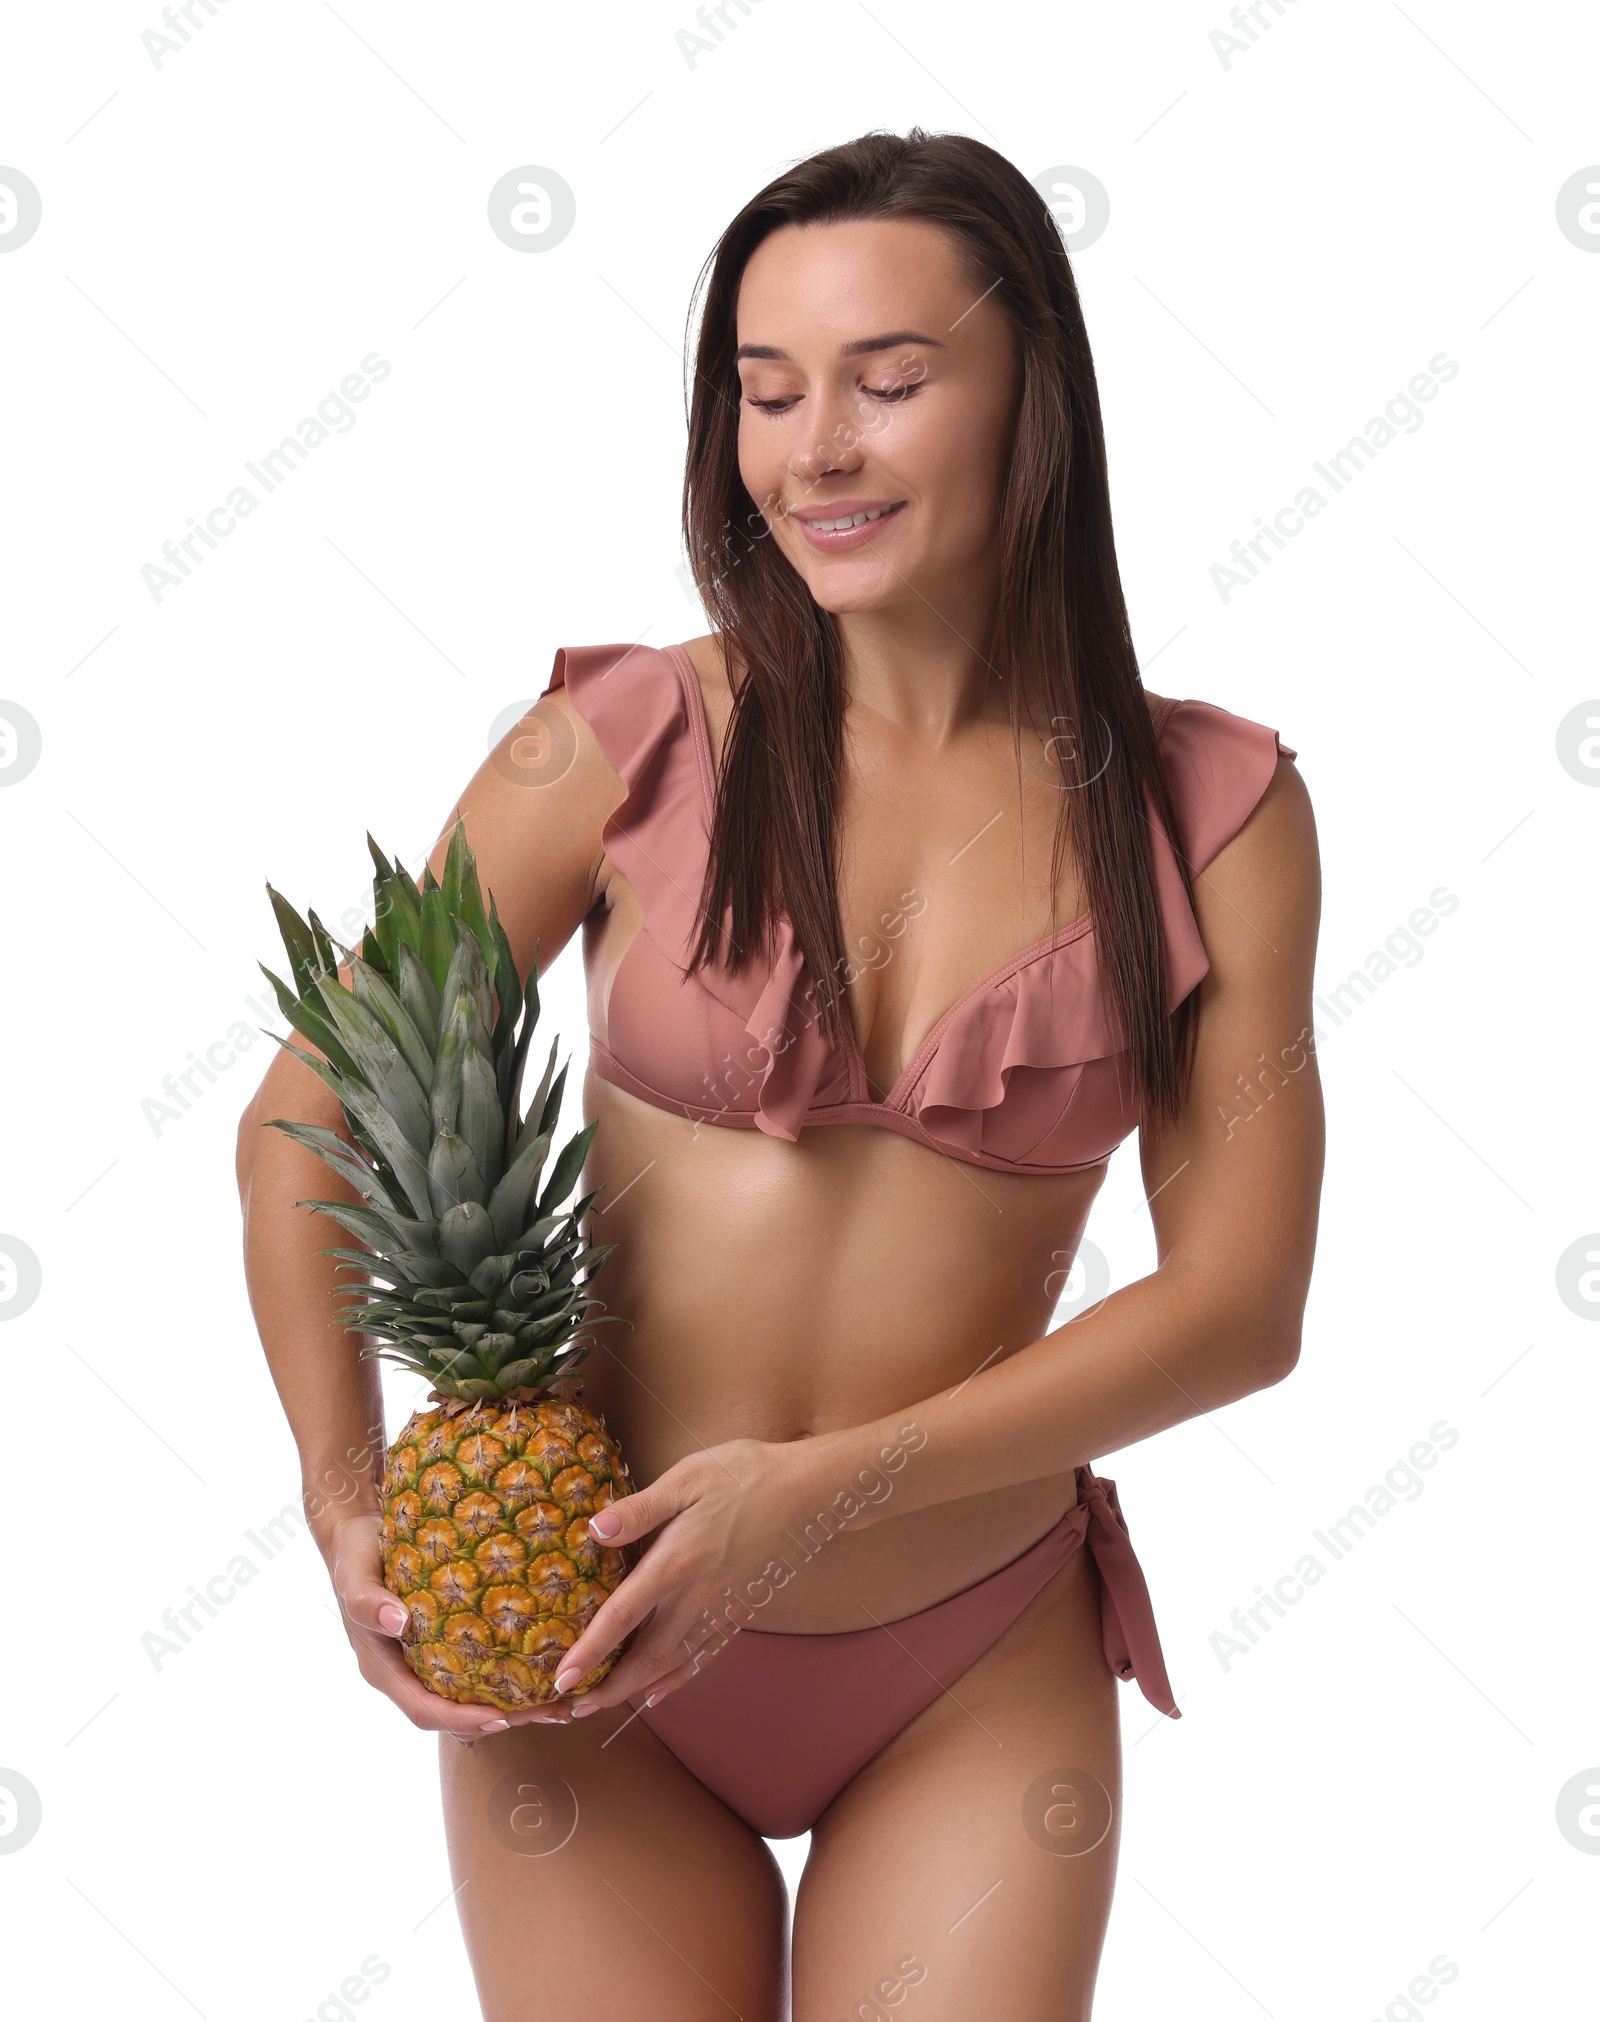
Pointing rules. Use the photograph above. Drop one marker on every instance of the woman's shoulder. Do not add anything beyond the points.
(1220, 766)
(707, 655)
(642, 715)
(708, 652)
(581, 669)
(627, 700)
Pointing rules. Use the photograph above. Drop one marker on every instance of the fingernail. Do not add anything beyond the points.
(583, 1706)
(567, 1678)
(493, 1726)
(654, 1696)
(604, 1525)
(392, 1616)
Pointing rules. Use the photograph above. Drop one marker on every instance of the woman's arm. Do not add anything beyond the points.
(329, 1394)
(1233, 1189)
(538, 851)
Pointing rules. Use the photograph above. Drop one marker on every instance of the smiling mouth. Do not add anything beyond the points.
(847, 530)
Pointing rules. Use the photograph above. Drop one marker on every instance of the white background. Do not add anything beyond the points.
(1293, 234)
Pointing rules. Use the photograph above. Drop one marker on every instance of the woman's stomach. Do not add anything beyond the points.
(778, 1290)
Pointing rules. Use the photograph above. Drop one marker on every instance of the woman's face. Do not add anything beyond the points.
(875, 378)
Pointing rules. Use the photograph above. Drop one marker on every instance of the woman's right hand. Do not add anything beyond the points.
(373, 1620)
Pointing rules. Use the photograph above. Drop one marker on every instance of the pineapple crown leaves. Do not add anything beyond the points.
(474, 1274)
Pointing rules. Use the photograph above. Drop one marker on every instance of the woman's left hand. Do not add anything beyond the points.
(721, 1516)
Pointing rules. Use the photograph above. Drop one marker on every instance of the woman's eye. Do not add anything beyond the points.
(886, 395)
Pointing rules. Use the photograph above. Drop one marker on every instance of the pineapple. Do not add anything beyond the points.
(471, 1274)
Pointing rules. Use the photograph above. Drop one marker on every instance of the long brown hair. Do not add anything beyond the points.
(1061, 640)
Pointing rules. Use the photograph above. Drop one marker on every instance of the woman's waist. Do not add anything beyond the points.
(693, 1368)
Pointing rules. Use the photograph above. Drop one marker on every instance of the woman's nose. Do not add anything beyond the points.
(833, 441)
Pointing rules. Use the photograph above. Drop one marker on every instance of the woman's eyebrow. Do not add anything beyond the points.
(858, 349)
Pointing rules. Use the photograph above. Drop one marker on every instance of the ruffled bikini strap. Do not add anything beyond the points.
(1218, 766)
(658, 837)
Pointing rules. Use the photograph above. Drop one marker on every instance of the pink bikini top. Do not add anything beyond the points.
(1023, 1073)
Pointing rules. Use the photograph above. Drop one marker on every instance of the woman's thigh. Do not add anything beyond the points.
(968, 1868)
(596, 1878)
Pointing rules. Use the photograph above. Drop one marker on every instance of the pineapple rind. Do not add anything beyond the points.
(484, 1539)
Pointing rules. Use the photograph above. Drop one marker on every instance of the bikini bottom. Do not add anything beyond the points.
(777, 1724)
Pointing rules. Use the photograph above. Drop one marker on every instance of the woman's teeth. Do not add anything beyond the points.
(854, 520)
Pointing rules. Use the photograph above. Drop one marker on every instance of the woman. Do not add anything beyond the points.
(903, 904)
